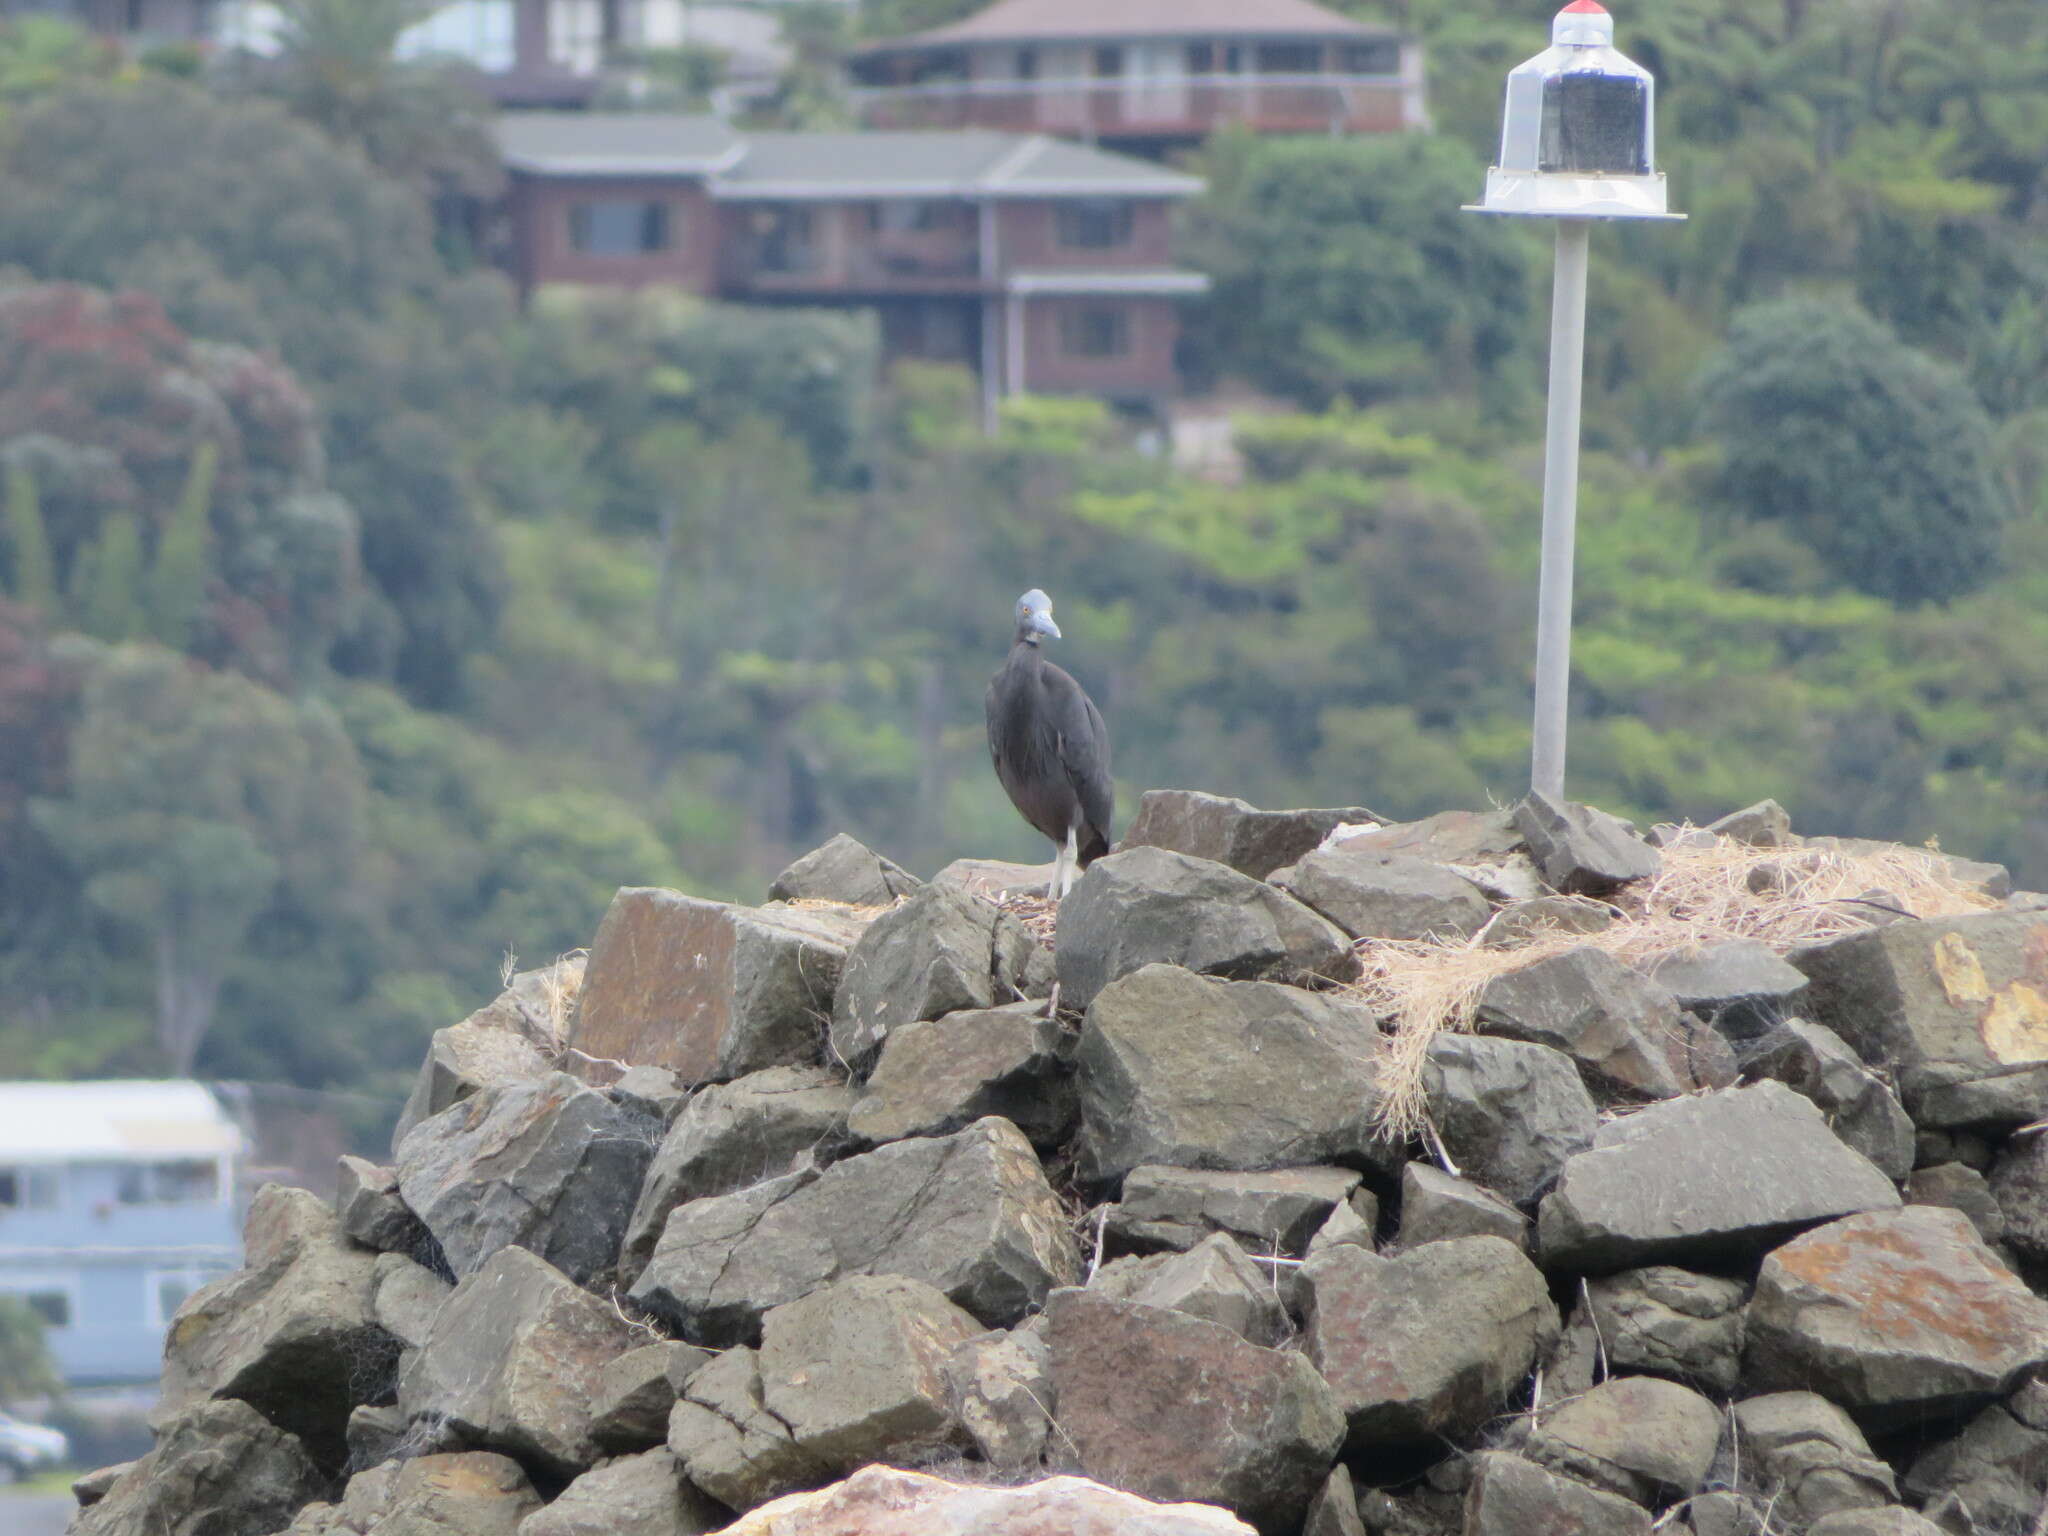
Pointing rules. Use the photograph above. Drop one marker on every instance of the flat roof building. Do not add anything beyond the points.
(117, 1200)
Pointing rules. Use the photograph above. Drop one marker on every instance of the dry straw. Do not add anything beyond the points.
(1710, 889)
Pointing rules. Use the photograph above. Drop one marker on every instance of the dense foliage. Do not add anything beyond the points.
(357, 628)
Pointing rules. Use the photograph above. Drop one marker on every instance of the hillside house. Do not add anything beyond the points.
(1145, 75)
(117, 1201)
(1044, 265)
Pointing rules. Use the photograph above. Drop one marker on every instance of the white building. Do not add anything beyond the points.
(117, 1201)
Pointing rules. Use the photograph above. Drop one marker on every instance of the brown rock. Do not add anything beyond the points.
(882, 1501)
(1429, 1343)
(1898, 1316)
(1257, 1435)
(709, 990)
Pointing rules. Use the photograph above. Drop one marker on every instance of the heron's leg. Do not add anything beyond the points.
(1070, 854)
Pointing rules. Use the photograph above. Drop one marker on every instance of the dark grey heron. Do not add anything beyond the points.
(1050, 747)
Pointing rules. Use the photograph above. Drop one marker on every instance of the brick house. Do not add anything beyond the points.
(1044, 265)
(1145, 75)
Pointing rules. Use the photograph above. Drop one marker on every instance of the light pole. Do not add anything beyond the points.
(1577, 143)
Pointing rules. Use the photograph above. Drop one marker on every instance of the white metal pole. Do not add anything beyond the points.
(1560, 506)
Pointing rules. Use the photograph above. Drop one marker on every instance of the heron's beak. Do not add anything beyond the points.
(1041, 624)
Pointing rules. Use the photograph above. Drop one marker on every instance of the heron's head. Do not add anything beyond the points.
(1034, 617)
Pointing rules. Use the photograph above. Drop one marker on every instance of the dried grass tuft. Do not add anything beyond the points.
(1706, 893)
(560, 985)
(1040, 916)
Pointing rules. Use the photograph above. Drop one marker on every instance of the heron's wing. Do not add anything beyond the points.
(1084, 754)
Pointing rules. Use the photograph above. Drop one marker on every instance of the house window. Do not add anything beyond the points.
(577, 34)
(903, 215)
(1289, 58)
(28, 1189)
(619, 228)
(168, 1288)
(189, 1181)
(477, 31)
(1109, 61)
(1095, 330)
(785, 239)
(1381, 58)
(1099, 224)
(50, 1301)
(938, 68)
(1027, 63)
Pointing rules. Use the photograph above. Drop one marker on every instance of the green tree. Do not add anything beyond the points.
(26, 1369)
(1874, 454)
(271, 236)
(337, 68)
(106, 590)
(35, 575)
(177, 578)
(39, 54)
(197, 799)
(1343, 268)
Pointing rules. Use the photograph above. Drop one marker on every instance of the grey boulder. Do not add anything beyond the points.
(1386, 895)
(844, 870)
(1258, 1438)
(1510, 1112)
(2018, 1186)
(1625, 1033)
(551, 1165)
(1646, 1439)
(1667, 1321)
(1993, 1475)
(294, 1333)
(1964, 1189)
(937, 1076)
(636, 1391)
(1740, 986)
(217, 1467)
(856, 1371)
(1275, 1210)
(970, 1214)
(1229, 831)
(1147, 906)
(643, 1495)
(731, 1135)
(1429, 1343)
(514, 1362)
(1719, 1175)
(1807, 1457)
(405, 1298)
(1512, 1496)
(1582, 851)
(1177, 1068)
(1002, 1395)
(943, 950)
(727, 1441)
(463, 1059)
(372, 1211)
(1436, 1205)
(1813, 1060)
(1212, 1280)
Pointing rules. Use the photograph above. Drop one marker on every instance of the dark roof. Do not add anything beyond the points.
(1044, 20)
(616, 143)
(974, 162)
(939, 163)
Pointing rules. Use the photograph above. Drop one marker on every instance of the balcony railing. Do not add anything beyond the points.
(771, 264)
(1149, 104)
